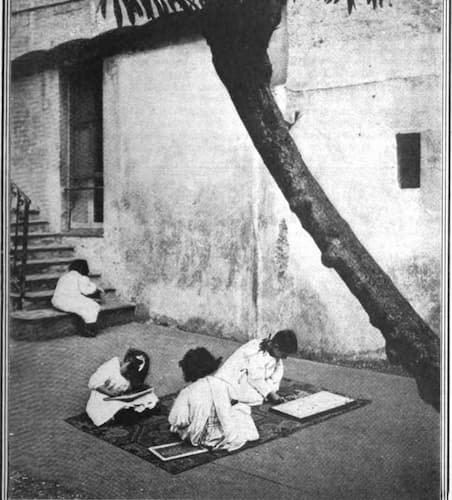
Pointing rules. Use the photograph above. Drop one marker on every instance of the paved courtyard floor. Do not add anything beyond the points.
(386, 450)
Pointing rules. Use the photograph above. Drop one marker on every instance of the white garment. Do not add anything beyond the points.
(202, 413)
(69, 296)
(251, 373)
(101, 410)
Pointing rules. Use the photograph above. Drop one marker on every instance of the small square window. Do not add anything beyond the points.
(409, 160)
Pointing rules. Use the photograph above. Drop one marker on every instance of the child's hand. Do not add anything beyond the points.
(108, 384)
(290, 397)
(109, 388)
(275, 398)
(101, 298)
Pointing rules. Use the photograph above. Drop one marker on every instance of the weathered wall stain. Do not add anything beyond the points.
(298, 306)
(179, 207)
(282, 251)
(418, 278)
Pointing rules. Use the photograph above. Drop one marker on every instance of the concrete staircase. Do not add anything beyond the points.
(48, 256)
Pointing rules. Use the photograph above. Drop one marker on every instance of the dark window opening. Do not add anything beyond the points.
(409, 160)
(85, 180)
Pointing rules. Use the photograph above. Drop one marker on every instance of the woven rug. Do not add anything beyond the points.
(154, 430)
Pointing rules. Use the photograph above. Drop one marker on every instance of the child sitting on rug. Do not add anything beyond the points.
(254, 371)
(75, 293)
(203, 413)
(113, 387)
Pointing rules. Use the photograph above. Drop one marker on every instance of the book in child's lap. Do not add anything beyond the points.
(130, 396)
(314, 404)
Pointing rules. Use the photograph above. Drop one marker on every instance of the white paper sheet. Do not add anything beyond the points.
(313, 404)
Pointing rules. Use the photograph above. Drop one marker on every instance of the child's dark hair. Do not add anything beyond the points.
(138, 368)
(79, 265)
(198, 363)
(286, 340)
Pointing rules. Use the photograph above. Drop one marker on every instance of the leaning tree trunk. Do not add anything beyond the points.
(238, 33)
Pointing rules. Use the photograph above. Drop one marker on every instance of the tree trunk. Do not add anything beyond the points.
(238, 33)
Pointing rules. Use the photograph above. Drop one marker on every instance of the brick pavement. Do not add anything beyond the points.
(388, 450)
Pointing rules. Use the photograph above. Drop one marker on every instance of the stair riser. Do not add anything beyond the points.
(33, 303)
(37, 240)
(49, 254)
(47, 268)
(33, 227)
(47, 284)
(66, 325)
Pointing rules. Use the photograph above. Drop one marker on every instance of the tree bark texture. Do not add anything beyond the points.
(238, 33)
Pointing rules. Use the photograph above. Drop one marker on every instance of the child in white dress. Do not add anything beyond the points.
(203, 413)
(75, 293)
(121, 379)
(255, 370)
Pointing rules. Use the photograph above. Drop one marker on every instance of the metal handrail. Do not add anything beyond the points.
(20, 202)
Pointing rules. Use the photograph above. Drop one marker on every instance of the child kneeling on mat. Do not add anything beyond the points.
(203, 413)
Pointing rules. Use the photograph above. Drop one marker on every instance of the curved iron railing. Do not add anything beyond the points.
(20, 217)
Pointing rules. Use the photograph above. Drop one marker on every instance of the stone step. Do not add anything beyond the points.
(43, 238)
(40, 299)
(43, 324)
(34, 226)
(38, 252)
(47, 265)
(48, 281)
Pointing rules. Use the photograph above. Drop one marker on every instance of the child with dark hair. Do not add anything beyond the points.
(79, 265)
(198, 363)
(114, 385)
(203, 413)
(255, 370)
(135, 368)
(75, 293)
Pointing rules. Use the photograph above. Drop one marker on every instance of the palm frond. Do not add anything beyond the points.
(118, 12)
(352, 5)
(150, 9)
(147, 6)
(132, 8)
(103, 7)
(375, 3)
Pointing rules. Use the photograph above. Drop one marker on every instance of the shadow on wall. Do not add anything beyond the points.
(198, 325)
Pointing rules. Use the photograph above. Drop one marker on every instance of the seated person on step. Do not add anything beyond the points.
(255, 370)
(203, 413)
(119, 392)
(76, 293)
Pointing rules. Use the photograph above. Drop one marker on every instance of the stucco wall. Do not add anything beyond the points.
(197, 230)
(178, 191)
(354, 159)
(328, 47)
(356, 81)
